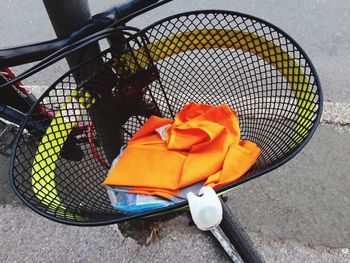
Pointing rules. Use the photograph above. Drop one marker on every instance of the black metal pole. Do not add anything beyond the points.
(66, 17)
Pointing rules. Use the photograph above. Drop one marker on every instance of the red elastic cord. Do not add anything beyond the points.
(19, 84)
(93, 148)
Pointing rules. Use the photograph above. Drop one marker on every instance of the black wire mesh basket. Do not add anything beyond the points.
(212, 57)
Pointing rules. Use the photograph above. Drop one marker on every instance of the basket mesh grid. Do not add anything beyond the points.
(207, 57)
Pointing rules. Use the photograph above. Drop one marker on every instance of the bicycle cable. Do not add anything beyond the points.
(65, 51)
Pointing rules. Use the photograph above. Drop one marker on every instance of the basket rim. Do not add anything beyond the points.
(221, 190)
(316, 122)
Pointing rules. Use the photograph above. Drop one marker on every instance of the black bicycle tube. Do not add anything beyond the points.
(67, 16)
(29, 53)
(115, 16)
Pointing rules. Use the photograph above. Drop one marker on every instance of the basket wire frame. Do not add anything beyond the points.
(212, 57)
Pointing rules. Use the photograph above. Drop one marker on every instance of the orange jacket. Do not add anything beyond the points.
(202, 144)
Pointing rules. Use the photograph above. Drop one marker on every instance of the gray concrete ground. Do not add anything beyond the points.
(29, 238)
(298, 213)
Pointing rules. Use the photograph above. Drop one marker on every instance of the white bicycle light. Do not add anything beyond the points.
(206, 209)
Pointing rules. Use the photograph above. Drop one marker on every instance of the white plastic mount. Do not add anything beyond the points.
(206, 208)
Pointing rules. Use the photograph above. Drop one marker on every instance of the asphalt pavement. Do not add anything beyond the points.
(298, 213)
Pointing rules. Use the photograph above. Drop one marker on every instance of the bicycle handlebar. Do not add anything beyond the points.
(133, 6)
(114, 16)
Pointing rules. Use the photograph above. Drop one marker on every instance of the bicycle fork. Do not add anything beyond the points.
(206, 211)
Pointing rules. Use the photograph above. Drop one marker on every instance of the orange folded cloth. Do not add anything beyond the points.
(201, 144)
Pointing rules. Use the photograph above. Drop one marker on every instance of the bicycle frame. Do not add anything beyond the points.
(76, 24)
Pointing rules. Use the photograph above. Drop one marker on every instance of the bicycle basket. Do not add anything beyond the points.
(213, 57)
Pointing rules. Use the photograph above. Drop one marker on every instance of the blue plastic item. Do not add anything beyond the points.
(129, 203)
